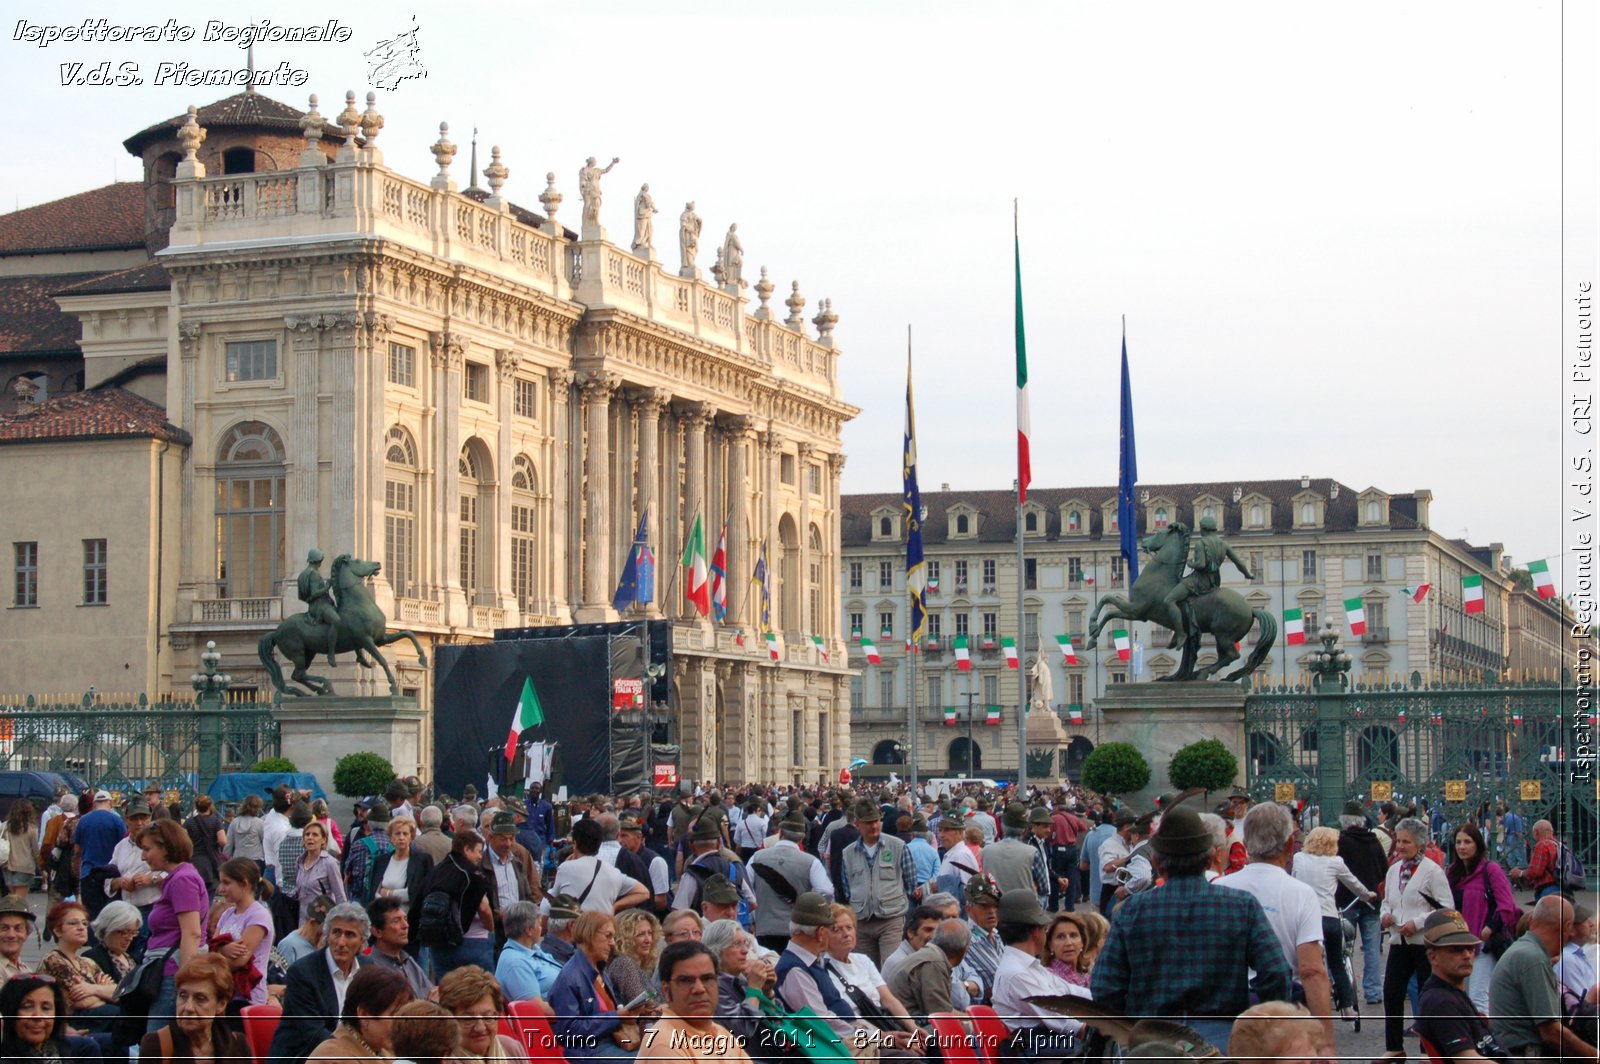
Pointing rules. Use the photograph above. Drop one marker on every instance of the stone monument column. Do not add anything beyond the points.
(559, 583)
(739, 565)
(505, 370)
(802, 467)
(650, 403)
(447, 350)
(597, 389)
(695, 419)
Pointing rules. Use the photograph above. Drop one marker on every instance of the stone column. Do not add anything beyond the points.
(802, 463)
(598, 388)
(506, 361)
(559, 580)
(340, 530)
(695, 419)
(772, 447)
(649, 404)
(739, 565)
(203, 563)
(370, 362)
(448, 351)
(305, 334)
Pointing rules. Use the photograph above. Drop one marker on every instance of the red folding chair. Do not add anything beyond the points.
(1432, 1052)
(954, 1042)
(260, 1024)
(531, 1026)
(990, 1032)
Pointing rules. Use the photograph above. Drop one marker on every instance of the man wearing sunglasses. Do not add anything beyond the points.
(1447, 1018)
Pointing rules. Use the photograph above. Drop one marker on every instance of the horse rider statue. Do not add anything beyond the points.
(317, 594)
(1207, 552)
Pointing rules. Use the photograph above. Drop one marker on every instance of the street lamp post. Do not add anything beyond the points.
(1329, 667)
(211, 686)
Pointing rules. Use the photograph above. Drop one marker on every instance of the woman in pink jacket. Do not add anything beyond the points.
(1474, 881)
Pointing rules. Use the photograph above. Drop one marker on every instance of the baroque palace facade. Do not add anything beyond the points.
(1311, 543)
(300, 347)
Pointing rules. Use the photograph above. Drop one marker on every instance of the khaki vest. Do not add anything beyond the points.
(877, 890)
(772, 912)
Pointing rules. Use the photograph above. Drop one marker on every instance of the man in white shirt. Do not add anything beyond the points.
(133, 874)
(1291, 906)
(597, 886)
(274, 826)
(1035, 1031)
(1114, 853)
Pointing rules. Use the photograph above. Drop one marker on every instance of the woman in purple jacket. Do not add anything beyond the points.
(1480, 887)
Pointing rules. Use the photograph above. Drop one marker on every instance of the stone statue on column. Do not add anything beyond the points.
(688, 239)
(644, 226)
(589, 188)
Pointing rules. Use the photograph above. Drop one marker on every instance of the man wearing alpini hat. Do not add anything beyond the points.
(1185, 950)
(1446, 1016)
(879, 879)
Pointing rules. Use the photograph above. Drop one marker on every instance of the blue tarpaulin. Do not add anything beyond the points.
(235, 786)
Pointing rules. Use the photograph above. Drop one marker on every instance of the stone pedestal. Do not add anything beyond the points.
(316, 732)
(1162, 718)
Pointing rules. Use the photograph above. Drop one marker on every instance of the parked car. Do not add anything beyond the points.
(37, 786)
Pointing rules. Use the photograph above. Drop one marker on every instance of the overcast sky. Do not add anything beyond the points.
(1335, 229)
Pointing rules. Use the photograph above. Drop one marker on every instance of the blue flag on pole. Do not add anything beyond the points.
(916, 570)
(1128, 477)
(638, 583)
(759, 577)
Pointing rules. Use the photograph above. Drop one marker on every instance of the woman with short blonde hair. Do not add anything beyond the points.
(1319, 866)
(1275, 1031)
(475, 999)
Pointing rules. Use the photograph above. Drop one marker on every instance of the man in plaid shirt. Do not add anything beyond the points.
(1542, 874)
(1185, 950)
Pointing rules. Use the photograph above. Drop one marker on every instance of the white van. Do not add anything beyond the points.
(945, 785)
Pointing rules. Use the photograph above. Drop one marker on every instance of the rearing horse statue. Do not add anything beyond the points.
(1223, 612)
(362, 628)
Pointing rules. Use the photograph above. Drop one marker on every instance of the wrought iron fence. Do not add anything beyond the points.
(125, 743)
(1469, 750)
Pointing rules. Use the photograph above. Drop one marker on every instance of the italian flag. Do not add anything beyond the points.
(933, 584)
(1516, 717)
(1024, 431)
(822, 648)
(1076, 712)
(774, 647)
(886, 632)
(1356, 612)
(1472, 593)
(963, 656)
(855, 633)
(871, 649)
(696, 582)
(949, 716)
(1119, 638)
(1294, 627)
(1436, 718)
(1008, 647)
(738, 637)
(1419, 592)
(1068, 655)
(1402, 715)
(528, 714)
(991, 715)
(1542, 581)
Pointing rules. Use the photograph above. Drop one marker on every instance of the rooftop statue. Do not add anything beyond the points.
(341, 616)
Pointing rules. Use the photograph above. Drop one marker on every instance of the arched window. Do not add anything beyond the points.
(1255, 515)
(888, 752)
(885, 526)
(814, 579)
(1209, 511)
(524, 531)
(1112, 521)
(249, 512)
(1030, 522)
(1161, 517)
(788, 575)
(966, 757)
(962, 524)
(476, 507)
(1373, 510)
(400, 512)
(1308, 513)
(1074, 521)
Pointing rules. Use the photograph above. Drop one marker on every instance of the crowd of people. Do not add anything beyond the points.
(734, 924)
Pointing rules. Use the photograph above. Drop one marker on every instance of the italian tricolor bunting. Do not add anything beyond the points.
(1076, 710)
(1543, 583)
(1472, 593)
(1356, 612)
(1516, 717)
(1008, 647)
(1294, 627)
(696, 578)
(528, 714)
(773, 646)
(822, 648)
(1068, 655)
(1419, 592)
(949, 716)
(991, 715)
(1119, 638)
(963, 656)
(871, 650)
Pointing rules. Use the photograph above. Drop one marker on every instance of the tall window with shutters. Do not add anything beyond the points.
(400, 512)
(249, 512)
(524, 531)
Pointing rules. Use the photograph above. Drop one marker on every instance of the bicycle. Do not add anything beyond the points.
(1352, 943)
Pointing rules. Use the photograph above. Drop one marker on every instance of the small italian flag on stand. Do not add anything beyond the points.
(1076, 712)
(822, 648)
(774, 646)
(1419, 592)
(1356, 613)
(1119, 638)
(738, 637)
(991, 715)
(963, 655)
(1402, 714)
(871, 650)
(528, 714)
(949, 716)
(1472, 593)
(1008, 647)
(1542, 581)
(1068, 655)
(1294, 627)
(1516, 717)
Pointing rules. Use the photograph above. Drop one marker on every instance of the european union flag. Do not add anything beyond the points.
(1128, 477)
(916, 571)
(638, 583)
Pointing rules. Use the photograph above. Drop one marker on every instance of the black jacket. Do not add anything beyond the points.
(467, 883)
(1363, 853)
(416, 871)
(310, 1009)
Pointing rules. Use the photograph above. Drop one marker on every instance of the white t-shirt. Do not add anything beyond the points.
(574, 876)
(859, 972)
(1291, 907)
(394, 878)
